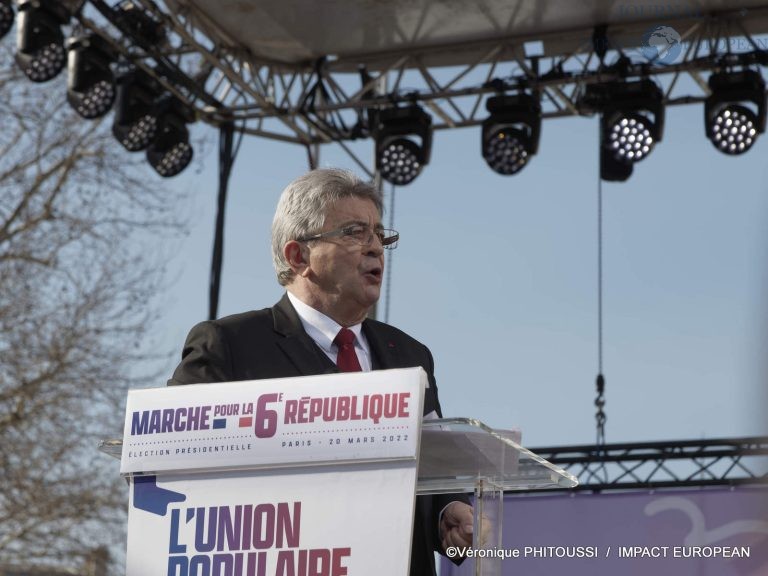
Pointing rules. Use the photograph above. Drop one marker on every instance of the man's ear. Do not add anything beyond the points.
(297, 256)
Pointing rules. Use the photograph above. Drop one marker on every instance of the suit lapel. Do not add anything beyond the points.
(384, 353)
(295, 343)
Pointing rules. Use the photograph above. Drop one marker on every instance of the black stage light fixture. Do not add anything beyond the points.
(134, 20)
(170, 152)
(403, 143)
(634, 120)
(40, 42)
(135, 121)
(7, 17)
(631, 123)
(91, 85)
(734, 112)
(510, 135)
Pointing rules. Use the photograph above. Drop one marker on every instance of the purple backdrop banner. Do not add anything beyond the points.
(707, 532)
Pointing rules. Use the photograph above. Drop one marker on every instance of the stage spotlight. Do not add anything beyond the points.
(7, 16)
(629, 132)
(133, 19)
(135, 122)
(40, 43)
(629, 137)
(510, 135)
(734, 112)
(399, 157)
(631, 123)
(170, 152)
(90, 82)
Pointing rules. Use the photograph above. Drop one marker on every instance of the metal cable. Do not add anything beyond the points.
(391, 254)
(600, 383)
(600, 416)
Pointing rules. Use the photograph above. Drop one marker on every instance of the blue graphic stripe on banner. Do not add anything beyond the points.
(219, 423)
(147, 495)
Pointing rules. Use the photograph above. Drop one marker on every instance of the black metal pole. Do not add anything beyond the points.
(226, 159)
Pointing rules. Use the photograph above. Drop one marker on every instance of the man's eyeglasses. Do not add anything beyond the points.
(359, 234)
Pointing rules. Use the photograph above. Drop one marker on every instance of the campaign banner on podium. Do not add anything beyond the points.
(273, 423)
(320, 483)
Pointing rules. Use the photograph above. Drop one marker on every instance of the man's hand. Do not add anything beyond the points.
(456, 525)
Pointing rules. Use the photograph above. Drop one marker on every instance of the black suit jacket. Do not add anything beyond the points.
(272, 343)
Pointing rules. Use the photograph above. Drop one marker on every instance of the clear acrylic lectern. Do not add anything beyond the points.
(465, 455)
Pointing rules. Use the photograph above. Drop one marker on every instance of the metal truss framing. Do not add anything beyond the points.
(327, 100)
(650, 465)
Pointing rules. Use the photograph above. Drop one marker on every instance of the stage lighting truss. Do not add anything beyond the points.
(7, 17)
(734, 113)
(40, 42)
(170, 152)
(90, 82)
(197, 61)
(510, 135)
(403, 143)
(136, 113)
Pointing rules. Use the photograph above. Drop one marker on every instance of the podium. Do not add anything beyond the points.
(465, 455)
(253, 488)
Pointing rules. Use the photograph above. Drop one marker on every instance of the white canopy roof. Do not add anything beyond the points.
(296, 32)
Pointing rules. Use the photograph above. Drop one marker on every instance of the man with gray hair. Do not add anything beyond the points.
(328, 249)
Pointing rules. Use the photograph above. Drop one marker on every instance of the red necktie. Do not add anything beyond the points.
(346, 359)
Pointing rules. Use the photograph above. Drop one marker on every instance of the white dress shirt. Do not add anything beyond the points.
(323, 330)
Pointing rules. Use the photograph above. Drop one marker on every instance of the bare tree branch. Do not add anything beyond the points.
(78, 284)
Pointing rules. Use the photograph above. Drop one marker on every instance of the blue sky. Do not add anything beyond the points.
(498, 276)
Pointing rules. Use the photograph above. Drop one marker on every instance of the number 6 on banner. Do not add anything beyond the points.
(266, 419)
